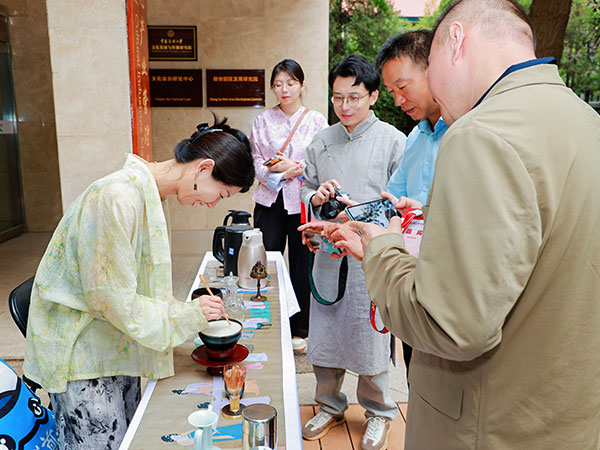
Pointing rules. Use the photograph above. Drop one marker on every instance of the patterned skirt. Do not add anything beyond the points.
(94, 414)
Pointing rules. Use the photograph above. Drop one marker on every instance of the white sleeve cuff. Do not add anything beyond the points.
(275, 181)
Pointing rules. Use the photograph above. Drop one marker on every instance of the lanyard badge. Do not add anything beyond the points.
(372, 319)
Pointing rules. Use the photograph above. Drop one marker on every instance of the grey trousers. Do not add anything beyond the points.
(372, 392)
(94, 414)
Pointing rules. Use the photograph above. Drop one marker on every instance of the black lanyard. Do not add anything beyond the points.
(342, 278)
(514, 68)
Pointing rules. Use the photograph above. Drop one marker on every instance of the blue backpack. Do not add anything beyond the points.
(24, 423)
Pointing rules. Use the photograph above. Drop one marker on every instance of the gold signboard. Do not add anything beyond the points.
(176, 43)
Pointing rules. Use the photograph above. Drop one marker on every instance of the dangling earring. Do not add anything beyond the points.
(195, 178)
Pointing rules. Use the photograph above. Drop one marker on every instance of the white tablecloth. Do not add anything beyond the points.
(288, 307)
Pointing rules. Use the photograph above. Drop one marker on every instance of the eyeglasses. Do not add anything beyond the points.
(278, 85)
(353, 100)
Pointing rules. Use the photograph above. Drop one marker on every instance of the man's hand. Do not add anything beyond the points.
(402, 203)
(311, 239)
(212, 307)
(324, 193)
(342, 216)
(347, 237)
(313, 229)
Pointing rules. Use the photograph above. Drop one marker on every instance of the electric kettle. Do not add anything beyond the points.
(227, 240)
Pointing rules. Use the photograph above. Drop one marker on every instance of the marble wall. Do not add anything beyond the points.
(32, 80)
(90, 74)
(232, 34)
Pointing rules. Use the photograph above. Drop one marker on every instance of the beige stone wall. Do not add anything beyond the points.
(72, 86)
(233, 34)
(90, 74)
(32, 79)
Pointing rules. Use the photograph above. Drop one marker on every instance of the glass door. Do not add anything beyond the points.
(11, 198)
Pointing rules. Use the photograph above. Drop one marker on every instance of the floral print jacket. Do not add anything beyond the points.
(102, 301)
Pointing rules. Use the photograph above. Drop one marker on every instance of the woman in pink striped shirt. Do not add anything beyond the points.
(277, 196)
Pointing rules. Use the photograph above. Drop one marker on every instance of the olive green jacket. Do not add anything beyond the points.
(503, 305)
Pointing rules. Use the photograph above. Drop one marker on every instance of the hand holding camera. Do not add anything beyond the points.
(331, 209)
(329, 196)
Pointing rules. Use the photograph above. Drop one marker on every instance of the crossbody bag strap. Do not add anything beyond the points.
(342, 278)
(289, 138)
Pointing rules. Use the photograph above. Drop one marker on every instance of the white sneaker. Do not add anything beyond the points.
(376, 434)
(318, 426)
(299, 344)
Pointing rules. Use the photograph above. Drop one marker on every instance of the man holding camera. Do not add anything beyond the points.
(357, 156)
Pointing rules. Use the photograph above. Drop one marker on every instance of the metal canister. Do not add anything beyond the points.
(259, 426)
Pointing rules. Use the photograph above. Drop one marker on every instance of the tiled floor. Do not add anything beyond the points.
(19, 258)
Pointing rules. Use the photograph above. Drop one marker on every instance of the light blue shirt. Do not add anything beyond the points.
(414, 175)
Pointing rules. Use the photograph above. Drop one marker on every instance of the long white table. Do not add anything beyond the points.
(288, 305)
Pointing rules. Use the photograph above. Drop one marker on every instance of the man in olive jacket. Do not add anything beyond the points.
(502, 306)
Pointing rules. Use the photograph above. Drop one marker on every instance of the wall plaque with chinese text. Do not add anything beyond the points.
(176, 87)
(137, 37)
(233, 87)
(177, 43)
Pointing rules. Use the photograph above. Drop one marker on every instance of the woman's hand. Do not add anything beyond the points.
(212, 307)
(324, 193)
(295, 170)
(283, 165)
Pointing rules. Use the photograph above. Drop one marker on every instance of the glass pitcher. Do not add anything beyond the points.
(232, 301)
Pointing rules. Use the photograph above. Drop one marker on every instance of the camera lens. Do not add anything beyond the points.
(333, 207)
(328, 211)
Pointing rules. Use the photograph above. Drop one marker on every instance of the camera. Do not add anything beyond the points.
(333, 207)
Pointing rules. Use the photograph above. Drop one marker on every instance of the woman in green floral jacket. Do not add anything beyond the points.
(102, 311)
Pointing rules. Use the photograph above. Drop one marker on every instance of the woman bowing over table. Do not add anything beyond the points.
(279, 137)
(102, 311)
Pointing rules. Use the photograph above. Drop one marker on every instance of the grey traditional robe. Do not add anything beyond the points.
(340, 335)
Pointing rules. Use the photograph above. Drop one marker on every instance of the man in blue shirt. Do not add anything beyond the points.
(403, 64)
